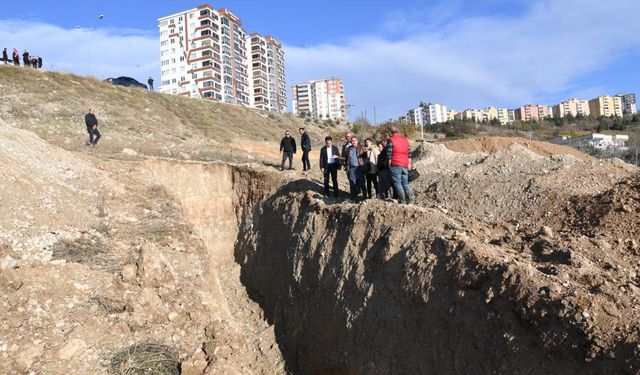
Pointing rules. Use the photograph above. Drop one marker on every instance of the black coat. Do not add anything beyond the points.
(90, 119)
(305, 142)
(323, 156)
(288, 144)
(5, 55)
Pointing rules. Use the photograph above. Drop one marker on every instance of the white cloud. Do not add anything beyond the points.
(103, 52)
(475, 62)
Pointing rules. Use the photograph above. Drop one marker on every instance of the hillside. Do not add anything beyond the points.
(53, 106)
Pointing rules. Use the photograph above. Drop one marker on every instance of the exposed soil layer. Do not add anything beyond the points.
(493, 144)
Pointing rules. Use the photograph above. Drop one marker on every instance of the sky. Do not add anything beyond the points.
(390, 54)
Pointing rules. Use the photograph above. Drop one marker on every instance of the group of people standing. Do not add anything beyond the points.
(382, 167)
(27, 59)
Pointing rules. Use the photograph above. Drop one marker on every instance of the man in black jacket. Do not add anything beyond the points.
(26, 61)
(288, 148)
(329, 165)
(92, 128)
(150, 82)
(305, 144)
(5, 56)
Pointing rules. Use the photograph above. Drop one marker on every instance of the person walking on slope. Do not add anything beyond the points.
(92, 128)
(398, 153)
(288, 148)
(370, 167)
(26, 61)
(16, 57)
(329, 165)
(39, 62)
(305, 144)
(150, 82)
(5, 56)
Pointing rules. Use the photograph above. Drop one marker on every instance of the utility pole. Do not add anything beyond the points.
(375, 121)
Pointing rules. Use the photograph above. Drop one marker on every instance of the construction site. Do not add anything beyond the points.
(176, 247)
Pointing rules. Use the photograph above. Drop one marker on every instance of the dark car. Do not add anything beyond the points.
(126, 81)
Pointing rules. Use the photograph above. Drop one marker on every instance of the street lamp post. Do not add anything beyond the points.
(88, 31)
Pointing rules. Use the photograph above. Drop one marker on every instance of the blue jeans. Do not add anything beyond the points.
(400, 182)
(356, 181)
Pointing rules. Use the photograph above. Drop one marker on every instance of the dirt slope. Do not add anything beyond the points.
(494, 144)
(53, 105)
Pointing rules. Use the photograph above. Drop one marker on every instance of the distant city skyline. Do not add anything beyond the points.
(464, 53)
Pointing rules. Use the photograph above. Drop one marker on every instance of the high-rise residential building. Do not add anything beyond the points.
(629, 104)
(267, 80)
(451, 115)
(606, 106)
(415, 116)
(512, 115)
(503, 116)
(491, 113)
(545, 111)
(433, 113)
(322, 99)
(573, 107)
(301, 100)
(527, 112)
(204, 54)
(472, 115)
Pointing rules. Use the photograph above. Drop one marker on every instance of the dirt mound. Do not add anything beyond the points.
(493, 144)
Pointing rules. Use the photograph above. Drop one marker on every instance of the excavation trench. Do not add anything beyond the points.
(369, 289)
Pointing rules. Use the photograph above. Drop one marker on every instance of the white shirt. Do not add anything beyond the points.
(330, 159)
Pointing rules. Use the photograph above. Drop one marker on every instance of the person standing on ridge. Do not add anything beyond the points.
(305, 144)
(150, 82)
(329, 165)
(92, 128)
(5, 56)
(39, 62)
(16, 57)
(26, 61)
(384, 176)
(288, 148)
(398, 154)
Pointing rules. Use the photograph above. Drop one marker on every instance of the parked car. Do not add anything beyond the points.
(126, 81)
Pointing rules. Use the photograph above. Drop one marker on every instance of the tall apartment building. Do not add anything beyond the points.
(322, 99)
(415, 116)
(267, 80)
(500, 114)
(606, 106)
(503, 116)
(433, 113)
(528, 112)
(629, 104)
(472, 115)
(451, 115)
(573, 107)
(203, 54)
(545, 111)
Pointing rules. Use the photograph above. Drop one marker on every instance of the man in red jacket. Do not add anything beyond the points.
(398, 153)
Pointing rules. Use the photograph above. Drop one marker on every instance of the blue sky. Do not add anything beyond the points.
(391, 54)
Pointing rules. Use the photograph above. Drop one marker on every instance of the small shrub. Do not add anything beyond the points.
(145, 359)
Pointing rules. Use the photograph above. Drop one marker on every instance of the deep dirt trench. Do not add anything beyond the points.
(373, 288)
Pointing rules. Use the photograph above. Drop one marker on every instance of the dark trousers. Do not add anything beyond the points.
(16, 61)
(94, 135)
(372, 179)
(356, 182)
(384, 183)
(306, 165)
(150, 86)
(331, 170)
(285, 156)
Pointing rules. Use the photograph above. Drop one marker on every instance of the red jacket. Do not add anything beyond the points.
(399, 151)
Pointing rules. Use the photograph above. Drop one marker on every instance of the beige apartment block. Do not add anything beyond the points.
(573, 107)
(204, 54)
(267, 79)
(606, 106)
(321, 99)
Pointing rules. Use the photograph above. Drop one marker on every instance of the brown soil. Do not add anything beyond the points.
(493, 144)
